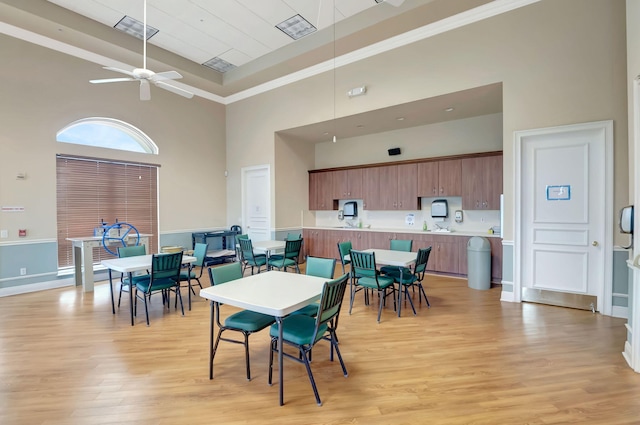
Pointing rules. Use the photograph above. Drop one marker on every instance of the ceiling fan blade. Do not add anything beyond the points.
(145, 90)
(174, 89)
(122, 71)
(167, 75)
(111, 80)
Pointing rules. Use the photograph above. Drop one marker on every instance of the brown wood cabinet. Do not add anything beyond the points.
(347, 184)
(389, 188)
(448, 253)
(440, 178)
(320, 191)
(481, 183)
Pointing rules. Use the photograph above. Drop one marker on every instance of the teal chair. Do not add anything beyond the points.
(304, 332)
(239, 255)
(365, 275)
(412, 278)
(246, 322)
(164, 277)
(397, 245)
(343, 249)
(200, 252)
(251, 259)
(293, 236)
(289, 258)
(129, 251)
(319, 267)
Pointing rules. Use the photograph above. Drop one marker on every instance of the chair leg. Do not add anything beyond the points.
(353, 295)
(381, 302)
(334, 344)
(313, 382)
(274, 346)
(146, 308)
(421, 290)
(406, 293)
(179, 295)
(246, 354)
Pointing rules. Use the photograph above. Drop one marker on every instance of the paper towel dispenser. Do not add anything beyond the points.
(626, 219)
(439, 208)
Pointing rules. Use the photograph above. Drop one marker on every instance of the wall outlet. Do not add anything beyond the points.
(23, 271)
(4, 233)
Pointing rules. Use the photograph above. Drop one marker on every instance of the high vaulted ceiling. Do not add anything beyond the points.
(244, 33)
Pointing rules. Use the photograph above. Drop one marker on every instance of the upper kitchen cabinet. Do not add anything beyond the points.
(320, 191)
(347, 184)
(481, 182)
(389, 188)
(440, 178)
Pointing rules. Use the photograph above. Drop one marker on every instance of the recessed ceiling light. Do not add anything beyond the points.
(449, 109)
(296, 27)
(219, 65)
(360, 126)
(326, 133)
(134, 27)
(400, 118)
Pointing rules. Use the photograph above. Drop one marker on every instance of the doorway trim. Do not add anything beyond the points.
(605, 305)
(244, 172)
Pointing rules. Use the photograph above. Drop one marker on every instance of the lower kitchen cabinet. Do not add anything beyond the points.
(448, 253)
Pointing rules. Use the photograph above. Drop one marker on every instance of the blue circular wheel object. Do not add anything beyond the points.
(124, 232)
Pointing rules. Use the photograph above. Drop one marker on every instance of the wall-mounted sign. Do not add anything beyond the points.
(559, 193)
(12, 209)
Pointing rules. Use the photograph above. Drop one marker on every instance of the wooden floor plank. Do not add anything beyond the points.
(469, 359)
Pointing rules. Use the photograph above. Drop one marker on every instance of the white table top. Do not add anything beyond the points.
(274, 293)
(389, 257)
(99, 238)
(137, 263)
(268, 245)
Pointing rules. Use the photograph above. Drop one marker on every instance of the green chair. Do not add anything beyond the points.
(245, 322)
(200, 252)
(304, 332)
(343, 249)
(365, 275)
(412, 278)
(397, 245)
(164, 277)
(289, 258)
(251, 259)
(129, 251)
(239, 255)
(319, 267)
(293, 236)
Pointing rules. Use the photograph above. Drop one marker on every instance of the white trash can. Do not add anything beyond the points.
(479, 263)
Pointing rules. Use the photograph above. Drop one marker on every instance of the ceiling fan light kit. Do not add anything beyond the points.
(146, 76)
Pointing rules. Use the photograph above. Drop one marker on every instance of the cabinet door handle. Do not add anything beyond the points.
(441, 190)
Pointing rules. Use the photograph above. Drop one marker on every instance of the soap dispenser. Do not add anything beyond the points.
(424, 226)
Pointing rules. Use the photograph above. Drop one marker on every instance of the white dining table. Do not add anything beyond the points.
(388, 257)
(268, 247)
(274, 293)
(83, 256)
(134, 264)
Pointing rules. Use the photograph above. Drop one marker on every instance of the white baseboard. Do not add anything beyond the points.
(621, 312)
(34, 287)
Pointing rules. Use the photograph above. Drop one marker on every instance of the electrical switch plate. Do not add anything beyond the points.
(23, 271)
(4, 234)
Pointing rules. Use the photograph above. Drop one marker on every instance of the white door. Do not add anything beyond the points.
(256, 202)
(566, 215)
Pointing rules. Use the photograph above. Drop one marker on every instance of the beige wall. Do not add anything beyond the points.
(478, 134)
(43, 91)
(633, 71)
(560, 62)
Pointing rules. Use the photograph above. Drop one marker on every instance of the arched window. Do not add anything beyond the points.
(107, 133)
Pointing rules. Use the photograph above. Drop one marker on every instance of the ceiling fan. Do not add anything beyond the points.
(146, 76)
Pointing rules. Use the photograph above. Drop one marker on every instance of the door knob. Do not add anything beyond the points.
(594, 243)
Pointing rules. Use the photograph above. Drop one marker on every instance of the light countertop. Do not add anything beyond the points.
(454, 232)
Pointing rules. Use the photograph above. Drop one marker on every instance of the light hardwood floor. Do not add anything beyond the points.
(470, 359)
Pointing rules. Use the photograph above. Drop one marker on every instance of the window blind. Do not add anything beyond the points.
(90, 190)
